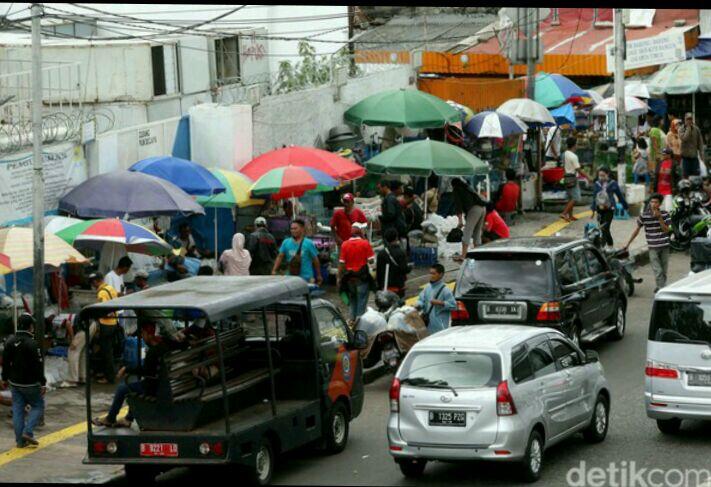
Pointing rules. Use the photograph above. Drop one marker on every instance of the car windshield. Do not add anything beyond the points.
(502, 274)
(681, 322)
(452, 369)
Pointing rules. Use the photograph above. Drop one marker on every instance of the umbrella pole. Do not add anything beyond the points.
(425, 197)
(14, 300)
(215, 210)
(693, 105)
(387, 276)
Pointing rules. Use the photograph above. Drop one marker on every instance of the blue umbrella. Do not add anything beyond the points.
(187, 175)
(494, 124)
(126, 194)
(564, 115)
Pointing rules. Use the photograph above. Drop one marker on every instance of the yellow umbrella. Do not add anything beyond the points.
(5, 266)
(236, 191)
(17, 244)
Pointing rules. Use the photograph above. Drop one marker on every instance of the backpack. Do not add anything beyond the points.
(602, 200)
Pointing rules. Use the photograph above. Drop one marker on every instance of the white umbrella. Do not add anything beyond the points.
(528, 111)
(595, 97)
(634, 107)
(55, 224)
(637, 89)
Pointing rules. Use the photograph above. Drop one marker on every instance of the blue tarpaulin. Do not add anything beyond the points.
(657, 106)
(181, 146)
(702, 50)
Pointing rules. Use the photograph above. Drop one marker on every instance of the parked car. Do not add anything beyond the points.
(554, 282)
(494, 392)
(677, 383)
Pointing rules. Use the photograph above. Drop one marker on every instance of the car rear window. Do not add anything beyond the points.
(505, 273)
(681, 322)
(454, 369)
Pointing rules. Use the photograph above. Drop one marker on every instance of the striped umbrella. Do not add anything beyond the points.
(17, 243)
(553, 90)
(237, 187)
(94, 234)
(292, 181)
(332, 164)
(5, 265)
(493, 124)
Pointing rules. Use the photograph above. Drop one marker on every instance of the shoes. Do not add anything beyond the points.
(30, 442)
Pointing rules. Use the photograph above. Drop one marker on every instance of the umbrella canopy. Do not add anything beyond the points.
(424, 157)
(466, 112)
(187, 175)
(332, 164)
(94, 234)
(237, 194)
(17, 244)
(594, 97)
(127, 194)
(553, 90)
(637, 89)
(527, 111)
(634, 107)
(292, 181)
(54, 223)
(402, 108)
(492, 124)
(682, 78)
(5, 265)
(564, 115)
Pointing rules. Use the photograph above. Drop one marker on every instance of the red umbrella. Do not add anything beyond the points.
(332, 164)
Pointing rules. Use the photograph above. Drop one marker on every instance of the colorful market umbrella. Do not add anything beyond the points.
(497, 125)
(237, 187)
(292, 181)
(682, 78)
(592, 97)
(56, 223)
(5, 265)
(93, 234)
(328, 162)
(127, 194)
(466, 113)
(528, 111)
(553, 90)
(17, 244)
(564, 115)
(187, 175)
(402, 108)
(634, 107)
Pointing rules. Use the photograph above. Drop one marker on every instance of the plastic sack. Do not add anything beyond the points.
(371, 322)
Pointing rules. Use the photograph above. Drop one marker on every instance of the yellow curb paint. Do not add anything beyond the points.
(46, 441)
(559, 225)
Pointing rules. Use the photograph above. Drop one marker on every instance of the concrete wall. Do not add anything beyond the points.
(302, 117)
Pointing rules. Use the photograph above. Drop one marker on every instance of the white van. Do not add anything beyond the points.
(677, 381)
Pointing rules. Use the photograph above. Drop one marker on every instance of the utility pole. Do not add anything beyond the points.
(531, 19)
(621, 120)
(37, 175)
(351, 32)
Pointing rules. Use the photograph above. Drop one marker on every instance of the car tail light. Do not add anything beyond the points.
(395, 448)
(99, 447)
(395, 395)
(660, 370)
(111, 447)
(461, 313)
(217, 449)
(502, 452)
(549, 312)
(504, 402)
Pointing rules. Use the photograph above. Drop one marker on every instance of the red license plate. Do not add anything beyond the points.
(159, 449)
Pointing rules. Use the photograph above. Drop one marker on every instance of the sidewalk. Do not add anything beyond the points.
(63, 439)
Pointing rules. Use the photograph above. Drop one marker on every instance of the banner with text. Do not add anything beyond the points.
(652, 51)
(64, 168)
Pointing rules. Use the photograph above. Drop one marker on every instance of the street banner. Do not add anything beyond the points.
(64, 168)
(651, 51)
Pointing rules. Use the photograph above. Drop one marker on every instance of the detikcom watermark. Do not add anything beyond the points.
(628, 474)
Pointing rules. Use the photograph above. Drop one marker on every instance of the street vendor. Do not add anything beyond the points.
(344, 218)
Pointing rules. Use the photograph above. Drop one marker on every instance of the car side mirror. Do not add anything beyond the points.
(360, 339)
(591, 356)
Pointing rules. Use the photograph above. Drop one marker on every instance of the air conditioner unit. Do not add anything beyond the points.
(254, 94)
(416, 58)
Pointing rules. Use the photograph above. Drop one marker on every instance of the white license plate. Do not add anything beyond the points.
(702, 379)
(503, 310)
(159, 449)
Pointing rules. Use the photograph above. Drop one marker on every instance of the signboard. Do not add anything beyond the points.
(64, 168)
(652, 51)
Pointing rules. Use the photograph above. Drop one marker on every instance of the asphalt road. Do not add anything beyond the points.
(632, 437)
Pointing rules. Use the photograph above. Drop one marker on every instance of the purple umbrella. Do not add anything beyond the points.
(126, 194)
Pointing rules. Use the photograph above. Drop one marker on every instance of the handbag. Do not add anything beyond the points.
(295, 262)
(426, 316)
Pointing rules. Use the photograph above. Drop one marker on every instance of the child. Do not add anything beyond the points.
(641, 165)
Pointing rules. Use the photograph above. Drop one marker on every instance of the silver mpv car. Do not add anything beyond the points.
(494, 392)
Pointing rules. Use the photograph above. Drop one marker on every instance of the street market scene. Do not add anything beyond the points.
(355, 245)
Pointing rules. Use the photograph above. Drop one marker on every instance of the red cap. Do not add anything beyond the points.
(347, 197)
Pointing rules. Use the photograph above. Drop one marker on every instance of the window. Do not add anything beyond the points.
(541, 358)
(566, 274)
(165, 69)
(331, 327)
(455, 369)
(681, 322)
(580, 266)
(595, 263)
(227, 59)
(520, 365)
(564, 354)
(512, 273)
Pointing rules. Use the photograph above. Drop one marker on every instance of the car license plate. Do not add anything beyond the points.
(502, 310)
(700, 379)
(447, 418)
(159, 449)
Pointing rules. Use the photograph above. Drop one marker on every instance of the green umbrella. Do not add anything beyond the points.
(424, 157)
(402, 108)
(682, 78)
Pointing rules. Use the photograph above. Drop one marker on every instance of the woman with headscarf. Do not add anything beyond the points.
(674, 143)
(235, 262)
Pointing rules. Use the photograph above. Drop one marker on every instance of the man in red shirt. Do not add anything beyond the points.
(353, 272)
(508, 196)
(494, 226)
(343, 219)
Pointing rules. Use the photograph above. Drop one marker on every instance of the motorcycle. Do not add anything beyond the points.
(690, 218)
(619, 260)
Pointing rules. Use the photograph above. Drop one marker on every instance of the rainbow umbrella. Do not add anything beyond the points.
(292, 182)
(332, 164)
(553, 90)
(93, 234)
(5, 266)
(237, 187)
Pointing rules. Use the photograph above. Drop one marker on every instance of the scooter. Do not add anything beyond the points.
(689, 218)
(619, 260)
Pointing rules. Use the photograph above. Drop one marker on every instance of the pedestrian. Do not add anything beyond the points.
(148, 370)
(108, 328)
(392, 255)
(606, 196)
(665, 179)
(236, 261)
(553, 144)
(342, 219)
(494, 226)
(301, 255)
(23, 371)
(391, 215)
(411, 210)
(692, 144)
(187, 242)
(507, 202)
(657, 142)
(436, 301)
(262, 248)
(572, 170)
(640, 170)
(114, 278)
(656, 223)
(76, 355)
(354, 269)
(432, 195)
(472, 208)
(674, 143)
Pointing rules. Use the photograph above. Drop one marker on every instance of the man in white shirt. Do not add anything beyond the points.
(115, 277)
(572, 169)
(553, 143)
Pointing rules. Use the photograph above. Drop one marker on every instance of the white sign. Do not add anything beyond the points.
(652, 51)
(705, 23)
(64, 168)
(88, 131)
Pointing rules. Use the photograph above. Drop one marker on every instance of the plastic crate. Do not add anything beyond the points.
(423, 256)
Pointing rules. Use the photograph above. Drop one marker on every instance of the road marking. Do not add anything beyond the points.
(46, 441)
(559, 225)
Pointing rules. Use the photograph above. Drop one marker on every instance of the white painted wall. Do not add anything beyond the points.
(221, 135)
